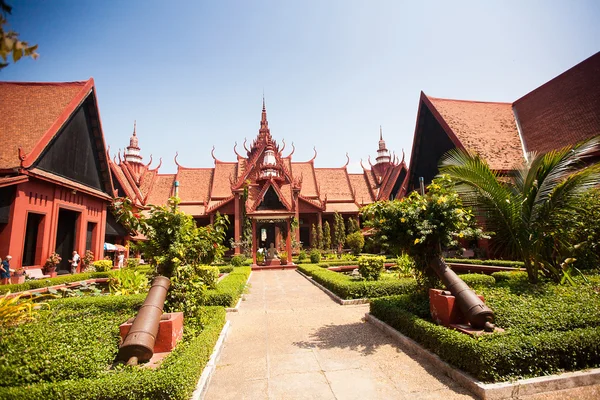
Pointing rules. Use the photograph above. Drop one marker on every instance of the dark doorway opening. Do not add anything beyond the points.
(266, 235)
(65, 237)
(305, 236)
(32, 233)
(89, 238)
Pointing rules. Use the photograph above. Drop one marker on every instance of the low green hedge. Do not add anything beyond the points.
(226, 269)
(59, 280)
(176, 377)
(229, 289)
(347, 288)
(478, 280)
(549, 329)
(496, 263)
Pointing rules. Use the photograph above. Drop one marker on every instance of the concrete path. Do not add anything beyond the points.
(291, 341)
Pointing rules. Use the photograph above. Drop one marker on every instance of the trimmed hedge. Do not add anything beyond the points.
(495, 263)
(226, 269)
(229, 289)
(176, 378)
(347, 288)
(549, 329)
(478, 280)
(59, 280)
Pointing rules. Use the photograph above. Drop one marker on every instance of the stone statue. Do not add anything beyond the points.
(272, 253)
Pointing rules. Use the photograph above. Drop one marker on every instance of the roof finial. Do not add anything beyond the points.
(380, 133)
(264, 108)
(134, 126)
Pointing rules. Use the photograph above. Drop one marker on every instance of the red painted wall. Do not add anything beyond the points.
(47, 199)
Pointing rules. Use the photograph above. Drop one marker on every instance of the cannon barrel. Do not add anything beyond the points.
(473, 308)
(139, 342)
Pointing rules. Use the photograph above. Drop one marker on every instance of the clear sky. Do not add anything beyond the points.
(192, 73)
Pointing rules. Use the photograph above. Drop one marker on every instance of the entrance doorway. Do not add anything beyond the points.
(32, 235)
(65, 237)
(266, 235)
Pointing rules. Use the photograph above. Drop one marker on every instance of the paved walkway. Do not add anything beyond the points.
(291, 341)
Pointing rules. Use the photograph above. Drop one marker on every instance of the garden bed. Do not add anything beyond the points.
(229, 289)
(548, 329)
(68, 352)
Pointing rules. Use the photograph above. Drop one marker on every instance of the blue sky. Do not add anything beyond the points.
(193, 73)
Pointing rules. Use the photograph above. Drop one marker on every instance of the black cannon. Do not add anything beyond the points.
(138, 345)
(473, 308)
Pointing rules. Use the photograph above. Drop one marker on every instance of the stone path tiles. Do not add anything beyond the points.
(289, 340)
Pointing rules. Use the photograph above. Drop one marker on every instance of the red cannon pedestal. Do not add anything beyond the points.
(170, 331)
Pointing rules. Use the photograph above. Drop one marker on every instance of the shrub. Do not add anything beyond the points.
(347, 288)
(405, 265)
(315, 256)
(370, 267)
(302, 255)
(87, 260)
(14, 310)
(283, 257)
(59, 280)
(102, 265)
(225, 269)
(356, 242)
(228, 290)
(127, 282)
(132, 263)
(495, 263)
(517, 276)
(186, 290)
(478, 280)
(238, 260)
(209, 275)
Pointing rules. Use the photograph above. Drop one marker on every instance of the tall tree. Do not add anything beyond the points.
(326, 236)
(339, 237)
(314, 239)
(528, 211)
(320, 236)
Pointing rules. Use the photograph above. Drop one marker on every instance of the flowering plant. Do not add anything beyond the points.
(53, 261)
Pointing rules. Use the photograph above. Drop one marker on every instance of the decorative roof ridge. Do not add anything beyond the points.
(154, 175)
(132, 182)
(219, 204)
(469, 101)
(318, 204)
(396, 171)
(262, 192)
(22, 83)
(126, 188)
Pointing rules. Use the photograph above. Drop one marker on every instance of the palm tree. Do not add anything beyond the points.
(528, 209)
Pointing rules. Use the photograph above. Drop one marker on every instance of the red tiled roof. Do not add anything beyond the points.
(161, 190)
(192, 209)
(30, 110)
(194, 184)
(333, 183)
(361, 187)
(118, 174)
(389, 181)
(306, 170)
(48, 176)
(221, 185)
(146, 181)
(341, 208)
(563, 111)
(484, 127)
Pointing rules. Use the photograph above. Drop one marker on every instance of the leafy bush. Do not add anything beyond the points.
(186, 291)
(405, 265)
(495, 263)
(86, 370)
(14, 310)
(517, 276)
(478, 280)
(209, 275)
(59, 280)
(127, 281)
(315, 256)
(356, 242)
(283, 257)
(228, 290)
(347, 288)
(370, 267)
(302, 255)
(132, 263)
(238, 260)
(549, 329)
(102, 265)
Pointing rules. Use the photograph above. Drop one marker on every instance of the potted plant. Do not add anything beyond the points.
(18, 276)
(51, 263)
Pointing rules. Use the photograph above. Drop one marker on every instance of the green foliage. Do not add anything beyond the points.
(173, 239)
(326, 236)
(315, 256)
(533, 213)
(302, 255)
(549, 329)
(478, 280)
(187, 289)
(15, 311)
(283, 257)
(102, 265)
(352, 225)
(320, 236)
(348, 288)
(10, 45)
(497, 263)
(59, 280)
(132, 263)
(405, 265)
(356, 242)
(228, 290)
(370, 267)
(421, 225)
(339, 237)
(85, 366)
(127, 281)
(238, 260)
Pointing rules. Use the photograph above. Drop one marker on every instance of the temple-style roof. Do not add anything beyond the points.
(564, 110)
(161, 190)
(194, 184)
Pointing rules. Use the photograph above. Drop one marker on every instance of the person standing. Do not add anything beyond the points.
(5, 270)
(120, 260)
(74, 262)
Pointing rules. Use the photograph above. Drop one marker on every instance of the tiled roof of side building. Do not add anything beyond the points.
(162, 189)
(333, 183)
(27, 112)
(194, 183)
(221, 184)
(484, 127)
(307, 172)
(563, 111)
(361, 186)
(146, 181)
(117, 173)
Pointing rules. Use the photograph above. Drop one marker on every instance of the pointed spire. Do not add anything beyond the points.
(380, 133)
(134, 126)
(264, 124)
